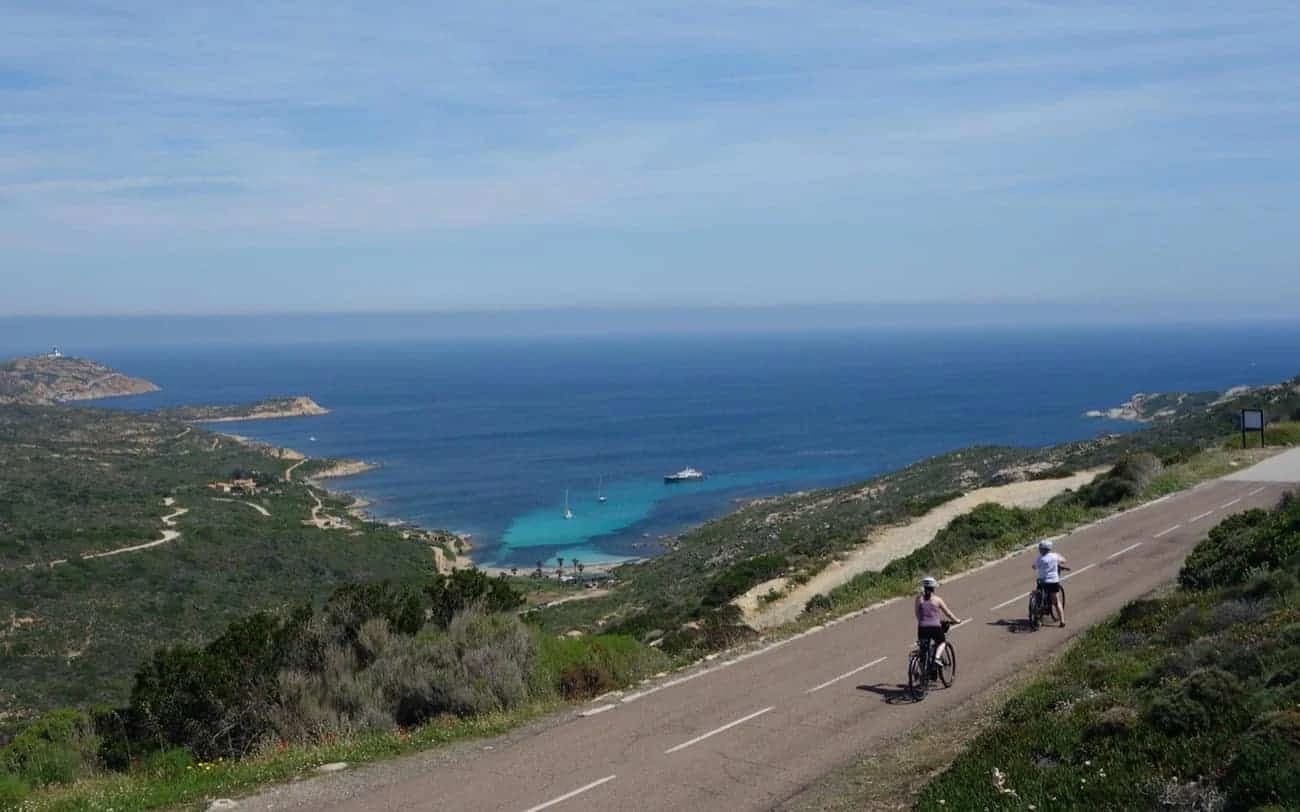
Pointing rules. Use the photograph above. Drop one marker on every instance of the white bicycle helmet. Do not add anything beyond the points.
(929, 583)
(1045, 546)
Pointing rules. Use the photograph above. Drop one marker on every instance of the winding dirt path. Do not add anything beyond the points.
(169, 534)
(253, 505)
(889, 543)
(288, 472)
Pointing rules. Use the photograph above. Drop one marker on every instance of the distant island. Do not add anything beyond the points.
(45, 380)
(269, 409)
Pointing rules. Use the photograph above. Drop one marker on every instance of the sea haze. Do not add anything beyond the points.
(485, 437)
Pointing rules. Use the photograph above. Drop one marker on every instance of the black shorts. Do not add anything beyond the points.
(1050, 589)
(934, 633)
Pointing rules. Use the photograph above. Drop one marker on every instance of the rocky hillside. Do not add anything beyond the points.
(47, 379)
(1169, 406)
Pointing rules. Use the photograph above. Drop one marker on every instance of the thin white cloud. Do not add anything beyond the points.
(302, 117)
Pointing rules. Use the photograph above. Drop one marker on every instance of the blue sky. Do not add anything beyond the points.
(274, 156)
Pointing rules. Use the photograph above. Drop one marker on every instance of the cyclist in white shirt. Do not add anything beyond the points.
(1048, 565)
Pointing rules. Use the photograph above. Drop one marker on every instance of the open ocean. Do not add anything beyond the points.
(484, 436)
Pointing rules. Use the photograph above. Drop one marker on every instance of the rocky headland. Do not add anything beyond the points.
(46, 380)
(270, 409)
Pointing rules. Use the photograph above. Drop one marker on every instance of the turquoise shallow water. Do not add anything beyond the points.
(628, 505)
(484, 437)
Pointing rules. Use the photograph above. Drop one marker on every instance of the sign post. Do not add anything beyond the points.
(1252, 420)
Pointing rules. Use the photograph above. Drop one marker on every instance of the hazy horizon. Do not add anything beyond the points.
(28, 334)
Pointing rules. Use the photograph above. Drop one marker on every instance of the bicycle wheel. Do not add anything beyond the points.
(917, 681)
(948, 665)
(1035, 609)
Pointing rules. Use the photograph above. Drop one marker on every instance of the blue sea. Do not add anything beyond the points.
(485, 436)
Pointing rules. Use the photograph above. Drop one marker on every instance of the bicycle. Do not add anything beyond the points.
(922, 669)
(1040, 604)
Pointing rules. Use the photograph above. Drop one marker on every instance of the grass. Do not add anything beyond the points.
(193, 784)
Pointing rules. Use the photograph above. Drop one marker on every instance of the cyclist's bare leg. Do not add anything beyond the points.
(1060, 606)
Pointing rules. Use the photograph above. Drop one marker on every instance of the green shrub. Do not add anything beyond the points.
(1112, 722)
(215, 701)
(586, 666)
(167, 763)
(1058, 472)
(466, 589)
(1264, 770)
(1126, 480)
(480, 663)
(1209, 698)
(13, 790)
(741, 576)
(988, 525)
(818, 603)
(59, 747)
(922, 505)
(1242, 546)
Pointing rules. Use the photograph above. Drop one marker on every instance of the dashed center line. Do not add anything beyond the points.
(1070, 575)
(1257, 490)
(596, 710)
(845, 675)
(1118, 553)
(1065, 577)
(1166, 531)
(1227, 505)
(1011, 601)
(1200, 516)
(716, 731)
(569, 795)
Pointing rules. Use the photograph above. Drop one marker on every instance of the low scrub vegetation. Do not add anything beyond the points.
(374, 658)
(1187, 701)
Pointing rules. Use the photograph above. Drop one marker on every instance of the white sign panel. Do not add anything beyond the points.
(1252, 420)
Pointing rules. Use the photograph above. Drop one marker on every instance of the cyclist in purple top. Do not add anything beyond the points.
(931, 612)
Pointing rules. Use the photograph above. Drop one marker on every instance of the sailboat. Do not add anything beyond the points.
(600, 497)
(568, 514)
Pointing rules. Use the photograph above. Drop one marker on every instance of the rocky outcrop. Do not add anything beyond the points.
(262, 410)
(1148, 408)
(49, 379)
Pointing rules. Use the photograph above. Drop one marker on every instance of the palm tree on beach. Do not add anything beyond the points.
(559, 562)
(578, 565)
(540, 564)
(514, 570)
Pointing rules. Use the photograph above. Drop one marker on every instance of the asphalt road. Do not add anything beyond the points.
(752, 731)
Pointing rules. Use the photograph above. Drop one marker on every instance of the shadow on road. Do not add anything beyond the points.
(1013, 626)
(891, 694)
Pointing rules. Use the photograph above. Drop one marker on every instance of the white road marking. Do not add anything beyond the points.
(716, 731)
(1200, 516)
(1227, 505)
(1065, 577)
(596, 710)
(569, 795)
(845, 675)
(1080, 570)
(670, 683)
(1257, 490)
(1166, 531)
(1013, 600)
(1118, 553)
